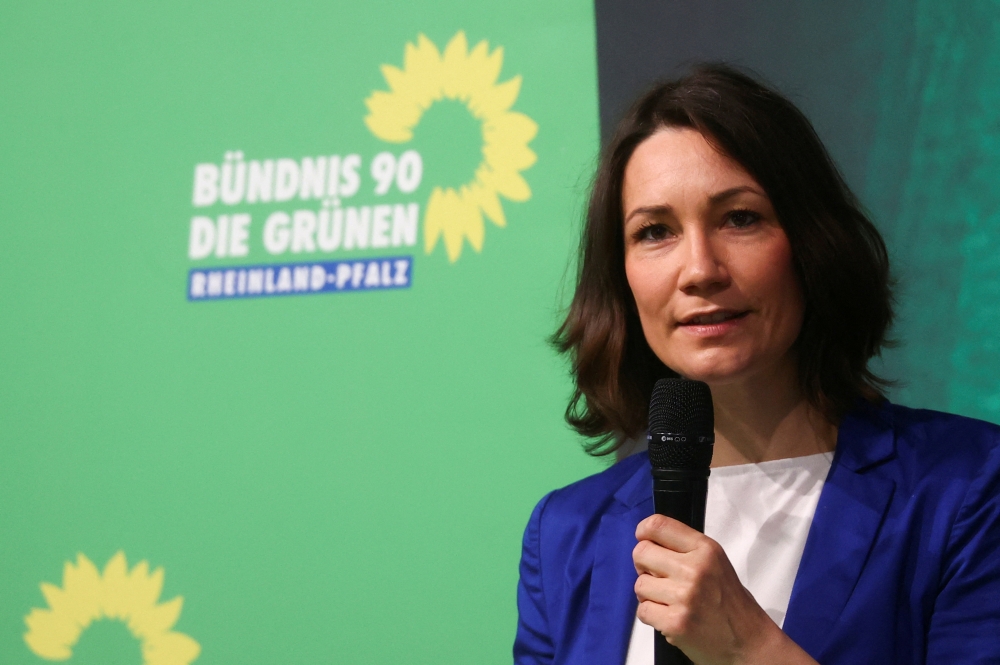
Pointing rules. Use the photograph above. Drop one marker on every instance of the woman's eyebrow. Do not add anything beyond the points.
(656, 211)
(715, 199)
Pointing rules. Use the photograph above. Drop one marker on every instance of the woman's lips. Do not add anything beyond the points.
(714, 323)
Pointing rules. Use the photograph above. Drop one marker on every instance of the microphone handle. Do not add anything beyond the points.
(682, 496)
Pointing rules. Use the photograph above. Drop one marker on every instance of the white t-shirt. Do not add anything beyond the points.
(760, 514)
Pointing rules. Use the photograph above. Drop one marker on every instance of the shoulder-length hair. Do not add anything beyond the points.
(838, 254)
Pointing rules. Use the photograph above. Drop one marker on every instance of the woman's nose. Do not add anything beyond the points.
(703, 269)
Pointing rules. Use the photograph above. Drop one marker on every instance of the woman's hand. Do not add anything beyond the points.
(688, 591)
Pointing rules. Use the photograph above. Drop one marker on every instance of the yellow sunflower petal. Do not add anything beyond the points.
(145, 587)
(50, 634)
(422, 63)
(450, 215)
(508, 184)
(422, 55)
(115, 598)
(408, 89)
(504, 157)
(83, 575)
(391, 119)
(510, 127)
(488, 69)
(170, 649)
(82, 584)
(453, 235)
(151, 620)
(478, 73)
(432, 219)
(488, 202)
(472, 219)
(54, 596)
(506, 147)
(490, 101)
(454, 83)
(479, 54)
(395, 77)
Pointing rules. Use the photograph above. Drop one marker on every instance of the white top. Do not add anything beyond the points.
(760, 514)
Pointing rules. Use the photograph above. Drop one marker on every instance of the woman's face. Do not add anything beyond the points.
(708, 263)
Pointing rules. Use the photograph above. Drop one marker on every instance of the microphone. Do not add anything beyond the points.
(680, 440)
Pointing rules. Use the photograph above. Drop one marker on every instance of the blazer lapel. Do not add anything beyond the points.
(848, 517)
(612, 604)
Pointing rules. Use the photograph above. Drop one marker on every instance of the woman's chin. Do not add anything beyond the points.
(714, 379)
(749, 370)
(720, 372)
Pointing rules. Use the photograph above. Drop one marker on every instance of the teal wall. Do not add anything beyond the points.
(905, 95)
(931, 182)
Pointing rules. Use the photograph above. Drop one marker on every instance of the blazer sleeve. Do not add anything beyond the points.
(965, 621)
(533, 644)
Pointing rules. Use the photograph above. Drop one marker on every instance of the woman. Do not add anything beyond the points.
(722, 245)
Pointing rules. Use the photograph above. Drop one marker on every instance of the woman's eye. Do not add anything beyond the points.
(653, 232)
(743, 218)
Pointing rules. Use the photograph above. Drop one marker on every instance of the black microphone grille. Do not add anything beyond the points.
(681, 406)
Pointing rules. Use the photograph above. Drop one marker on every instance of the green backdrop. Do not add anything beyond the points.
(339, 476)
(325, 432)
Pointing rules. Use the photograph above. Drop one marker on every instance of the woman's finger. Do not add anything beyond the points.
(663, 591)
(649, 557)
(669, 533)
(672, 621)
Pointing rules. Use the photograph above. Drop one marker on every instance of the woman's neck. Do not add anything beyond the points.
(767, 418)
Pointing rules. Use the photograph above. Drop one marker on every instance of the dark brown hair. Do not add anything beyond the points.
(837, 252)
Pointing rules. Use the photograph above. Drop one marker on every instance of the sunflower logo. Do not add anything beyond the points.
(470, 77)
(129, 596)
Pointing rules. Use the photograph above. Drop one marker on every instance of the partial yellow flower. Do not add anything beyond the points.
(118, 594)
(470, 77)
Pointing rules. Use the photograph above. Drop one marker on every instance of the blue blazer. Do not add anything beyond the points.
(901, 565)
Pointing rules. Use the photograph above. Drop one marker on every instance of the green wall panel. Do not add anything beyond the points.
(329, 477)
